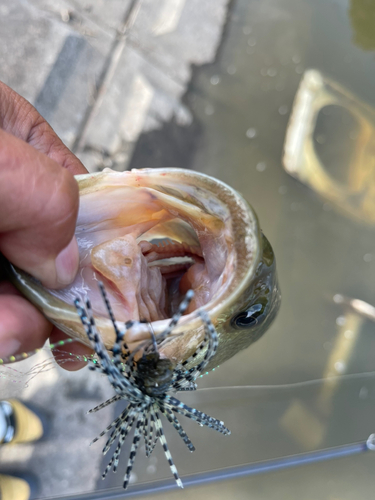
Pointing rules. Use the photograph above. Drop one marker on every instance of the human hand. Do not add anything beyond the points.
(38, 210)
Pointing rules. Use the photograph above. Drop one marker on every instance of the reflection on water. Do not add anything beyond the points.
(336, 159)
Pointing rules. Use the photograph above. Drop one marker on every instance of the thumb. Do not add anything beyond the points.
(38, 210)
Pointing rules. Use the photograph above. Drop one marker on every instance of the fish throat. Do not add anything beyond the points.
(150, 242)
(149, 277)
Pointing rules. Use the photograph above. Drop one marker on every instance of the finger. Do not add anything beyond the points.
(21, 119)
(38, 205)
(71, 356)
(22, 328)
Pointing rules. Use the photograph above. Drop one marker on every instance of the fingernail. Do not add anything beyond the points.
(66, 263)
(8, 347)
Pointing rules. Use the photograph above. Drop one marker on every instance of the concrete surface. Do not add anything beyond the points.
(103, 72)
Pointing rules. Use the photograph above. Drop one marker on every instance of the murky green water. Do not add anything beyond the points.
(242, 104)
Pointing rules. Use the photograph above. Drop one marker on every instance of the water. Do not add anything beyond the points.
(320, 249)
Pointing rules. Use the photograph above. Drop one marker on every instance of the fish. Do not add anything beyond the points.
(150, 235)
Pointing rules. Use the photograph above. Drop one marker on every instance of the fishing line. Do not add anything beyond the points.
(50, 363)
(293, 385)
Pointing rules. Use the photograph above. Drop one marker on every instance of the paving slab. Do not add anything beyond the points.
(138, 97)
(52, 63)
(109, 14)
(174, 34)
(151, 77)
(36, 41)
(63, 49)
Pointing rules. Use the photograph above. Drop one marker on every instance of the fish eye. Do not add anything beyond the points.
(248, 318)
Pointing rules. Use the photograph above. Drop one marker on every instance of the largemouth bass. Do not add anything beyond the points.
(150, 235)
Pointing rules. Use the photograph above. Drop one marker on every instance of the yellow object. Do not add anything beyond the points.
(355, 195)
(28, 425)
(13, 488)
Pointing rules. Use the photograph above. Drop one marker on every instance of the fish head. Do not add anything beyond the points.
(150, 235)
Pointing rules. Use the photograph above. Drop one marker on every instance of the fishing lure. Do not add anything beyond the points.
(146, 385)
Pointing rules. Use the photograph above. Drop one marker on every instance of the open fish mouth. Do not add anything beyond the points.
(150, 235)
